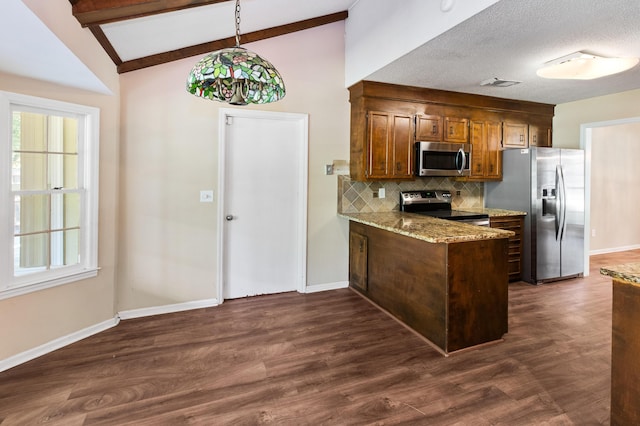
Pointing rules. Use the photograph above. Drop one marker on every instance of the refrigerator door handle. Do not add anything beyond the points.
(556, 214)
(562, 199)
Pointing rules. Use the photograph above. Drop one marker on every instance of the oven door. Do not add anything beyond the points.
(442, 159)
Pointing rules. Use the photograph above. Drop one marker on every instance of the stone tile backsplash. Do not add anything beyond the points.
(357, 197)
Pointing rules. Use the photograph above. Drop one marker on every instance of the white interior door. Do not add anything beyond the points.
(263, 202)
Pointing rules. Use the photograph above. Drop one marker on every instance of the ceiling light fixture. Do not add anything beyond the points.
(585, 66)
(236, 75)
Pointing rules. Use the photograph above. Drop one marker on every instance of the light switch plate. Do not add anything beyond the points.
(206, 196)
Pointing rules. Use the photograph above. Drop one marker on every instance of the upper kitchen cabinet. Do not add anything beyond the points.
(515, 134)
(540, 131)
(429, 127)
(532, 130)
(439, 124)
(456, 125)
(486, 153)
(387, 119)
(389, 145)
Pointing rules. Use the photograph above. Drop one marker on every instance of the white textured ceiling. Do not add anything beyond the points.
(513, 38)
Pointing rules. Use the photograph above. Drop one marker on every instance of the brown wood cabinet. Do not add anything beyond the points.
(358, 261)
(540, 134)
(456, 129)
(625, 347)
(429, 128)
(389, 145)
(515, 135)
(387, 119)
(486, 153)
(516, 242)
(435, 127)
(454, 294)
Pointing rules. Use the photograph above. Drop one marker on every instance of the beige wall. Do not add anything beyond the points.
(35, 319)
(569, 116)
(169, 153)
(614, 179)
(615, 187)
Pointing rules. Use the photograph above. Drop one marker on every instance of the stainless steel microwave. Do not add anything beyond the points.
(442, 159)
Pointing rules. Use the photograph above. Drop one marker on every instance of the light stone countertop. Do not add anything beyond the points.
(492, 212)
(427, 228)
(628, 273)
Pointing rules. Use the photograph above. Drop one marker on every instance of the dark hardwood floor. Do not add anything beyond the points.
(329, 358)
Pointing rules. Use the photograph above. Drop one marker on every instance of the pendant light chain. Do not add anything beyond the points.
(237, 23)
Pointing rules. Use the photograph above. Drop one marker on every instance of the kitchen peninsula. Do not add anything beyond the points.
(448, 281)
(625, 343)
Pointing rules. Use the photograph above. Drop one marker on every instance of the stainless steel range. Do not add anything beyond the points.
(437, 203)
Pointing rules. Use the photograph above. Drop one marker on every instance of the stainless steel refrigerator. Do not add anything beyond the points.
(547, 184)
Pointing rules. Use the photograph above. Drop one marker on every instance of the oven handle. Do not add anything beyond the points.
(461, 158)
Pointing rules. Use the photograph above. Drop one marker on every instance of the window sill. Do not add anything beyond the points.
(30, 288)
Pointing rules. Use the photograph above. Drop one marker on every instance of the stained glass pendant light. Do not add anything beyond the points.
(236, 76)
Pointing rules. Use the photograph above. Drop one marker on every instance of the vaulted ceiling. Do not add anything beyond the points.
(141, 33)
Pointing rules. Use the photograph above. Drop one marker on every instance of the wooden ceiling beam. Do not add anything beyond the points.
(97, 12)
(204, 48)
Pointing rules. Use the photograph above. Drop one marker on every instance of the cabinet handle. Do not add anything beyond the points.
(434, 130)
(521, 138)
(535, 139)
(398, 166)
(450, 130)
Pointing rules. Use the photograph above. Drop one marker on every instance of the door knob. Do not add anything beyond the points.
(229, 217)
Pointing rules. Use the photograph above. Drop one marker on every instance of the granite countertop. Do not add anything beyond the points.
(493, 212)
(427, 228)
(628, 273)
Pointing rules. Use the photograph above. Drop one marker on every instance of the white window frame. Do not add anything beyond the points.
(88, 158)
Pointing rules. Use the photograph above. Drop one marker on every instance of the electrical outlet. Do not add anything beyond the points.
(328, 169)
(381, 193)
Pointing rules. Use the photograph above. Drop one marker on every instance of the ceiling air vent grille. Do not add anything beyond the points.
(499, 82)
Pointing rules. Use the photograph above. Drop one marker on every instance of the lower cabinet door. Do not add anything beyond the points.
(358, 261)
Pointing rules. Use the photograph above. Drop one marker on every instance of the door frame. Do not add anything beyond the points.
(302, 177)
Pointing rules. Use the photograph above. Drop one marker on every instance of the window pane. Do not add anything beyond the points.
(31, 253)
(65, 211)
(70, 132)
(63, 171)
(65, 248)
(33, 214)
(71, 210)
(70, 171)
(29, 131)
(31, 171)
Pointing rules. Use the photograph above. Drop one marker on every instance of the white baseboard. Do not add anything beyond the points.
(324, 287)
(614, 249)
(167, 309)
(58, 343)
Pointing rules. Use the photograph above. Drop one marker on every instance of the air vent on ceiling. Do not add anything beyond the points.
(499, 82)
